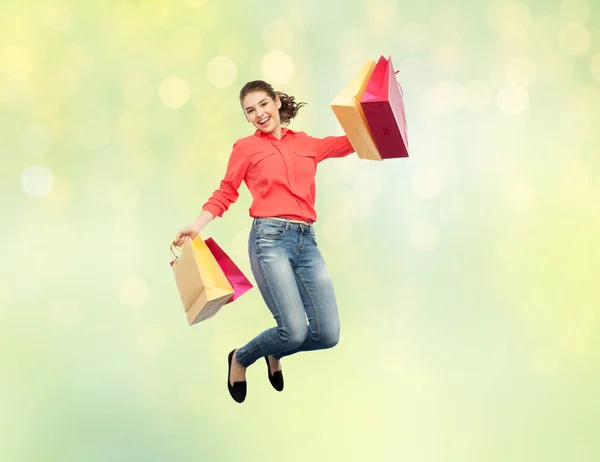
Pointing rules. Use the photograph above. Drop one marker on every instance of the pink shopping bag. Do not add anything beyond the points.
(234, 275)
(383, 107)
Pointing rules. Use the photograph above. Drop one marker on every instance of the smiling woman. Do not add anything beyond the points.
(279, 165)
(266, 108)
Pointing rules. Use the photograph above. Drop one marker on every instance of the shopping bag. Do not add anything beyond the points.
(201, 283)
(234, 275)
(384, 110)
(349, 113)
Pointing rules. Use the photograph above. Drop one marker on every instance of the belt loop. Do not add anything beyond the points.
(287, 225)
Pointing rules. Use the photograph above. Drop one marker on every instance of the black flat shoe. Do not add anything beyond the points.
(276, 379)
(238, 389)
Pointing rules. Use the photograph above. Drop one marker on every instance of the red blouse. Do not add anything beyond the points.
(280, 174)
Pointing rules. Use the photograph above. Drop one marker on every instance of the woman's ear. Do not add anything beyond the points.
(278, 102)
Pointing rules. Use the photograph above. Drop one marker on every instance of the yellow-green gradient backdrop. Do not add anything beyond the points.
(466, 275)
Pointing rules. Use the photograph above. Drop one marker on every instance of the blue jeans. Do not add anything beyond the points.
(295, 284)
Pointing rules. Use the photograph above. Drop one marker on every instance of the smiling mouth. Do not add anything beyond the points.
(264, 122)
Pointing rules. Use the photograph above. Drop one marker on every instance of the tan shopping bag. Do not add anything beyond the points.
(347, 108)
(201, 283)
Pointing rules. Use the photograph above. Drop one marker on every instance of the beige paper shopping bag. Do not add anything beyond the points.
(201, 283)
(346, 107)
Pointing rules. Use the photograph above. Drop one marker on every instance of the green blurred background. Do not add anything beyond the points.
(466, 275)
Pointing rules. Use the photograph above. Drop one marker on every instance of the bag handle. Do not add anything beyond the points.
(400, 86)
(175, 256)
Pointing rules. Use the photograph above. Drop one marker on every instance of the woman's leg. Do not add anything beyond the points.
(318, 297)
(272, 248)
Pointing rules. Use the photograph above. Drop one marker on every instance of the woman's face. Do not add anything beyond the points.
(262, 111)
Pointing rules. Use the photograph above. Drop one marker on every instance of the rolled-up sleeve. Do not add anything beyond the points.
(332, 146)
(228, 192)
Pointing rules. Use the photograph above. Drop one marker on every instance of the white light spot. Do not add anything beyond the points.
(278, 35)
(513, 100)
(520, 198)
(381, 14)
(55, 15)
(174, 92)
(138, 92)
(195, 3)
(411, 72)
(337, 229)
(578, 337)
(414, 38)
(159, 12)
(574, 11)
(65, 314)
(80, 58)
(221, 343)
(126, 229)
(126, 17)
(476, 96)
(139, 163)
(369, 182)
(221, 72)
(520, 71)
(16, 62)
(351, 51)
(151, 340)
(544, 361)
(124, 196)
(133, 291)
(510, 19)
(574, 39)
(584, 101)
(359, 207)
(37, 181)
(239, 244)
(555, 66)
(63, 81)
(516, 44)
(61, 193)
(277, 67)
(595, 67)
(35, 140)
(450, 56)
(368, 280)
(424, 237)
(427, 183)
(186, 42)
(575, 182)
(133, 124)
(94, 134)
(446, 97)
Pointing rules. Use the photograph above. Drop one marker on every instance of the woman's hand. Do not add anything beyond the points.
(189, 232)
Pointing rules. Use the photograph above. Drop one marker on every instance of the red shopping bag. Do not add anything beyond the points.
(236, 278)
(384, 110)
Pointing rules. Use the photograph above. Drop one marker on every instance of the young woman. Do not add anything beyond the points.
(278, 166)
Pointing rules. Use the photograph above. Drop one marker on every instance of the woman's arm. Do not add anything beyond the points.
(221, 199)
(332, 146)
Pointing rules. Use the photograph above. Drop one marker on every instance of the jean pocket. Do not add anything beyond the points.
(271, 232)
(313, 235)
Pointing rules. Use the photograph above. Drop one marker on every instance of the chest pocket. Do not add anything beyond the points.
(266, 161)
(306, 163)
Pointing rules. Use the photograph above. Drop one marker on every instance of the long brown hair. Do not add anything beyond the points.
(289, 107)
